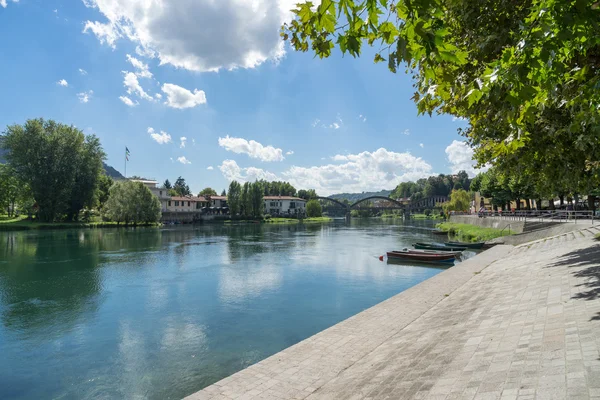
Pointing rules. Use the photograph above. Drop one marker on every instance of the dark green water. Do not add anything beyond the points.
(162, 313)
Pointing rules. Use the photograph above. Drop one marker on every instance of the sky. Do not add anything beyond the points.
(206, 90)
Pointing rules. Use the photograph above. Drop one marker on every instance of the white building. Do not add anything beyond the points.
(284, 205)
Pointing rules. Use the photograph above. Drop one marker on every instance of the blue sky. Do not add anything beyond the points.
(144, 74)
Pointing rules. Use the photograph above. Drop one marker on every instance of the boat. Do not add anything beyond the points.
(437, 246)
(478, 245)
(412, 255)
(440, 233)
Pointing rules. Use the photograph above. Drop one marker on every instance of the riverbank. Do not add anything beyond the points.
(510, 322)
(23, 224)
(471, 233)
(281, 221)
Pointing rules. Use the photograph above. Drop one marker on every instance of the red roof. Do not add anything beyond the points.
(218, 197)
(194, 199)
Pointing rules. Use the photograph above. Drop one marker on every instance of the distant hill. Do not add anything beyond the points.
(113, 173)
(354, 197)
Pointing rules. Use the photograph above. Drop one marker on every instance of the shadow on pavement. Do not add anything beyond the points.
(589, 260)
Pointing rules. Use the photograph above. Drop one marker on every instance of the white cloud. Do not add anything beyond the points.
(460, 156)
(289, 153)
(231, 171)
(316, 122)
(4, 3)
(85, 97)
(133, 86)
(335, 125)
(183, 160)
(196, 35)
(178, 97)
(142, 69)
(362, 118)
(160, 138)
(210, 168)
(182, 141)
(149, 53)
(55, 11)
(421, 145)
(454, 119)
(82, 71)
(406, 132)
(62, 82)
(158, 96)
(366, 171)
(128, 101)
(251, 148)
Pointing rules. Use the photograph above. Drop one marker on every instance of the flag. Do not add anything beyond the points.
(127, 153)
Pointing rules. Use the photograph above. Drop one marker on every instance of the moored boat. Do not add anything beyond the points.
(421, 256)
(478, 245)
(437, 232)
(437, 246)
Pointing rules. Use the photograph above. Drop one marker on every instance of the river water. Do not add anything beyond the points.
(161, 313)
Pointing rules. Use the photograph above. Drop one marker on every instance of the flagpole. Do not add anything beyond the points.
(125, 162)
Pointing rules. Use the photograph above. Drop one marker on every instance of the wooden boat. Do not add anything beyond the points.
(437, 246)
(421, 256)
(440, 233)
(478, 245)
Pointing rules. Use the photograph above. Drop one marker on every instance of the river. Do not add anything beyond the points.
(161, 313)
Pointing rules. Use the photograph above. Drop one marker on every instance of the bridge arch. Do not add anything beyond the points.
(332, 200)
(379, 198)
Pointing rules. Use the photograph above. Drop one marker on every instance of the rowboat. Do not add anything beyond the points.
(437, 246)
(467, 245)
(413, 255)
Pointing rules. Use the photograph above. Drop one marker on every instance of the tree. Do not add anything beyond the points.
(223, 193)
(460, 200)
(132, 202)
(181, 188)
(307, 194)
(257, 199)
(246, 200)
(48, 157)
(104, 184)
(167, 185)
(88, 172)
(10, 189)
(207, 192)
(313, 209)
(234, 200)
(524, 73)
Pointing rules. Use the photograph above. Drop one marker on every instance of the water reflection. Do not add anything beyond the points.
(159, 313)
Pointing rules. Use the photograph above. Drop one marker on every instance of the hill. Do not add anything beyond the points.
(354, 197)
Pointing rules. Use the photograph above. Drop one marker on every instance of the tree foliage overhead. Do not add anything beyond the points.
(441, 185)
(181, 188)
(59, 164)
(524, 73)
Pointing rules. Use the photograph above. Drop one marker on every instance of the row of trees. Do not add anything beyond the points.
(56, 171)
(441, 185)
(524, 73)
(246, 200)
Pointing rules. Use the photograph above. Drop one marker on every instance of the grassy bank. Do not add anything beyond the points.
(598, 236)
(281, 221)
(423, 216)
(471, 233)
(22, 224)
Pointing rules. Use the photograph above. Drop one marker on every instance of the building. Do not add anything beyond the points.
(218, 201)
(284, 205)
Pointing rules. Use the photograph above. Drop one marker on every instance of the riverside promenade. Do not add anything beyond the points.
(512, 323)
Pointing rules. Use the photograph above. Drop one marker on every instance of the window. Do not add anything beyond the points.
(273, 204)
(160, 192)
(177, 204)
(188, 203)
(169, 203)
(292, 204)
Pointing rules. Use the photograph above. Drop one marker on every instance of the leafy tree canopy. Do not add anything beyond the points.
(132, 203)
(524, 73)
(181, 188)
(313, 208)
(207, 192)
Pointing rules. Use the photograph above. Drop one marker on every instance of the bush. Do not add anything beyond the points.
(132, 202)
(428, 212)
(313, 209)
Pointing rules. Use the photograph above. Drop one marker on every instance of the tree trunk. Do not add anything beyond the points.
(528, 202)
(538, 204)
(518, 201)
(592, 202)
(562, 200)
(551, 205)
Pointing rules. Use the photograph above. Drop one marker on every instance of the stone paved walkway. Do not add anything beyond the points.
(515, 322)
